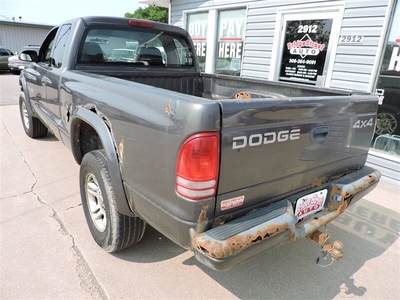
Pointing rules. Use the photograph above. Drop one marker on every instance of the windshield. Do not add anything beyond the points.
(134, 45)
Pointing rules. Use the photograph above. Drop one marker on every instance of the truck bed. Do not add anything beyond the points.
(210, 86)
(297, 137)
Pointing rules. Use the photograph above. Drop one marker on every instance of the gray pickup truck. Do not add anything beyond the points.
(225, 166)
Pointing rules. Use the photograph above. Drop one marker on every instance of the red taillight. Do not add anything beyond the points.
(140, 23)
(197, 166)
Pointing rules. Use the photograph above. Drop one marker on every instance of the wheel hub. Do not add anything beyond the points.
(95, 203)
(25, 115)
(386, 124)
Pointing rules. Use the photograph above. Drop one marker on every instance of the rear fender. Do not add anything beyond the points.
(104, 133)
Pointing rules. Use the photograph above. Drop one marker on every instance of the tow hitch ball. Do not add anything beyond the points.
(328, 250)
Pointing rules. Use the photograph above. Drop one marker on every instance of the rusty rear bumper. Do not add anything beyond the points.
(225, 246)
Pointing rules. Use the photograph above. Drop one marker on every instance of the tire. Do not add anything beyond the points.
(33, 127)
(388, 122)
(111, 230)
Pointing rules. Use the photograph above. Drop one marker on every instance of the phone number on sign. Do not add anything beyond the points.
(302, 61)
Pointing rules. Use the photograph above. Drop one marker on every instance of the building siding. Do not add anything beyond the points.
(16, 35)
(388, 165)
(353, 65)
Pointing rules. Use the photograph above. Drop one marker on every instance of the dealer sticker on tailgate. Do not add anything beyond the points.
(310, 204)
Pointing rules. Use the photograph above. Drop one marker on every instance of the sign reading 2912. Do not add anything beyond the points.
(351, 39)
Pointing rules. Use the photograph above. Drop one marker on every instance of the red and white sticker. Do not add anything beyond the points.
(310, 204)
(231, 203)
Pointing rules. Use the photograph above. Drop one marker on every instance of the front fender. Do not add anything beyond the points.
(103, 131)
(25, 94)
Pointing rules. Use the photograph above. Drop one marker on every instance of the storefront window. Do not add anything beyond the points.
(197, 28)
(388, 88)
(304, 50)
(229, 50)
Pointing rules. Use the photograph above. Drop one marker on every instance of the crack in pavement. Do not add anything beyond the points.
(24, 161)
(88, 281)
(72, 207)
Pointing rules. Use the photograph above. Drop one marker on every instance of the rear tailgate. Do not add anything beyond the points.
(271, 148)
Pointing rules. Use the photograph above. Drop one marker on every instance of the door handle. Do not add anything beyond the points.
(319, 133)
(45, 80)
(30, 77)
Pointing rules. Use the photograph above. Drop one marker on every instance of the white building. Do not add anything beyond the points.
(347, 44)
(15, 35)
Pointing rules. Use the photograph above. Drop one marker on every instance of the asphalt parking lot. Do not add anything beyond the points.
(46, 251)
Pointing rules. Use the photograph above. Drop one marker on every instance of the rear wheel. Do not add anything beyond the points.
(111, 230)
(33, 127)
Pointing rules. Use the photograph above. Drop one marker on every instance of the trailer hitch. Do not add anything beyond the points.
(328, 250)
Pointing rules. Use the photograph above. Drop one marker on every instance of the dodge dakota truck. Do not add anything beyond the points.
(228, 167)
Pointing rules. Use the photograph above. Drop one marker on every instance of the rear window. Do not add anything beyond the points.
(5, 52)
(134, 46)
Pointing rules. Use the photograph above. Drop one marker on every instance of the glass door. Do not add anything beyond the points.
(305, 48)
(307, 39)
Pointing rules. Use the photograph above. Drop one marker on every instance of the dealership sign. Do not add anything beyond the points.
(304, 51)
(305, 47)
(230, 43)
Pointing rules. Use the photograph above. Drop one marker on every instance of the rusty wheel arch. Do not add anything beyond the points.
(84, 136)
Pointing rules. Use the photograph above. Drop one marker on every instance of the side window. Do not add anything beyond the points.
(45, 49)
(59, 46)
(48, 52)
(185, 56)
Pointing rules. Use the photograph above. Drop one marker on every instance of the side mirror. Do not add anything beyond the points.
(28, 55)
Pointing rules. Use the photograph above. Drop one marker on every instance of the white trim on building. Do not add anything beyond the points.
(160, 3)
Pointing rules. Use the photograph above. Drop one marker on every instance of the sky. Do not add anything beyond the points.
(54, 12)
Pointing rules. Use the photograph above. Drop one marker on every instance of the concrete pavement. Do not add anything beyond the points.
(46, 251)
